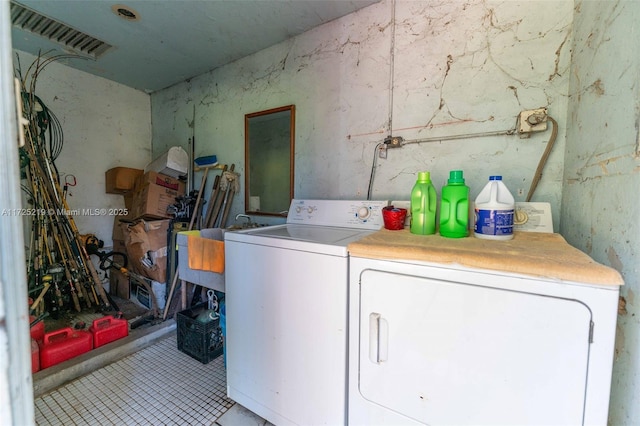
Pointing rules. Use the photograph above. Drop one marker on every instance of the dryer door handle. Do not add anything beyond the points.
(378, 338)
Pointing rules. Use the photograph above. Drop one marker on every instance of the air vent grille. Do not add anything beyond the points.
(57, 31)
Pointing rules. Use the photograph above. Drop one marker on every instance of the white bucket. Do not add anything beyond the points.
(494, 209)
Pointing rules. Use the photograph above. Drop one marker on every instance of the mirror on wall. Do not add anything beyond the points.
(269, 153)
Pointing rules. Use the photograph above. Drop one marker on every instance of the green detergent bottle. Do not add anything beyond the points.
(423, 206)
(454, 207)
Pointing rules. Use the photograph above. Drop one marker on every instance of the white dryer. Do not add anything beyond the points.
(443, 343)
(286, 311)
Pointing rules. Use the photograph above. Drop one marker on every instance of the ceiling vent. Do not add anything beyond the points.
(57, 31)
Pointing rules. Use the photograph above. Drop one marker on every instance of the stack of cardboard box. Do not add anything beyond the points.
(153, 193)
(119, 283)
(142, 233)
(146, 195)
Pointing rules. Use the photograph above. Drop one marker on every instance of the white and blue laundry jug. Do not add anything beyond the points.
(494, 211)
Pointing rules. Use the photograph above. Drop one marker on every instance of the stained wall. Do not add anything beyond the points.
(600, 201)
(421, 69)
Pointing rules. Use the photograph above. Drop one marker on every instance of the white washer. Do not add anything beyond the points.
(445, 344)
(286, 311)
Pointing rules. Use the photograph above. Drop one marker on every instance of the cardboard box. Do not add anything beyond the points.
(159, 179)
(128, 201)
(146, 243)
(120, 223)
(118, 245)
(140, 294)
(120, 284)
(121, 180)
(152, 202)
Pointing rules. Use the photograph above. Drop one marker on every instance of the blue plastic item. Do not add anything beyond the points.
(209, 160)
(223, 326)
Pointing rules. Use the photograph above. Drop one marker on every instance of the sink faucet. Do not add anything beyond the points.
(239, 215)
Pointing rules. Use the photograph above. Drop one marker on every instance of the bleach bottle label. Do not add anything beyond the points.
(494, 222)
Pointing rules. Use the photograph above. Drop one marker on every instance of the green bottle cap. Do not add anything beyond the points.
(455, 176)
(424, 176)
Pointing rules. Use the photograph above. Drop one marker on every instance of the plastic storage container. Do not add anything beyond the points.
(202, 340)
(494, 211)
(64, 344)
(108, 329)
(35, 356)
(454, 207)
(37, 330)
(223, 326)
(423, 206)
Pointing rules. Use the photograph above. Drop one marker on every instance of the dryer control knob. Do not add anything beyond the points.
(363, 213)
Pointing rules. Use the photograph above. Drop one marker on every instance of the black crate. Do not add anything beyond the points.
(200, 340)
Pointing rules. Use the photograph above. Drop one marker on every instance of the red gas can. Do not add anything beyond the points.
(37, 330)
(35, 356)
(107, 329)
(64, 344)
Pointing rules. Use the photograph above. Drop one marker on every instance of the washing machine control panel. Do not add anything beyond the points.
(342, 213)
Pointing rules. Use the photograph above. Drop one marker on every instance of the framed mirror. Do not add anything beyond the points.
(268, 154)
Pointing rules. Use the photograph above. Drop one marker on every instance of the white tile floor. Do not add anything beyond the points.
(158, 385)
(240, 416)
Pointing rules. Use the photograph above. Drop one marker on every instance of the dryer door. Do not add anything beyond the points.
(443, 352)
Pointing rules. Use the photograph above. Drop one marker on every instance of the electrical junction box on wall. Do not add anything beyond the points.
(534, 120)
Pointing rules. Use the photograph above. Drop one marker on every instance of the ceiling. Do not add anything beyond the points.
(172, 41)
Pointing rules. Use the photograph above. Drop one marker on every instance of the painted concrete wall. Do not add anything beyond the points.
(105, 125)
(600, 203)
(454, 67)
